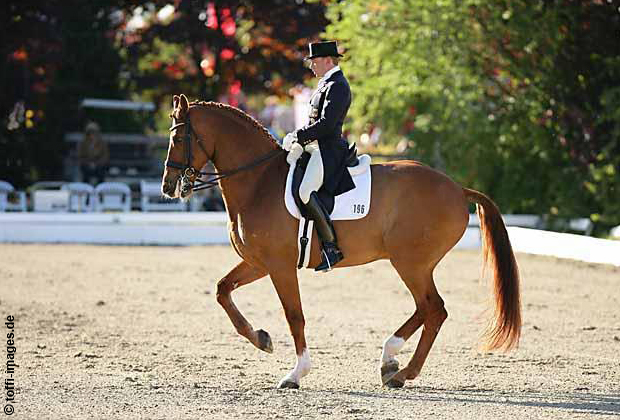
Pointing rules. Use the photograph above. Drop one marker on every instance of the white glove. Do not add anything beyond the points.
(288, 141)
(296, 151)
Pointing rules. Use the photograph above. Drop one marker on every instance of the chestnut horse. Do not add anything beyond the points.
(416, 216)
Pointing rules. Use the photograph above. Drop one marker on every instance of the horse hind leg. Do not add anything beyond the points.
(241, 275)
(430, 313)
(393, 344)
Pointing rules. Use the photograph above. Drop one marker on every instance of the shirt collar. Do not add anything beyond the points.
(329, 73)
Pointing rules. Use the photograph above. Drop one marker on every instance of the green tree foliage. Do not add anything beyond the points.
(519, 99)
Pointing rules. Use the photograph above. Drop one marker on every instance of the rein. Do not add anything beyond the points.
(189, 172)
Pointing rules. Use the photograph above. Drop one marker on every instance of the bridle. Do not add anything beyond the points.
(189, 174)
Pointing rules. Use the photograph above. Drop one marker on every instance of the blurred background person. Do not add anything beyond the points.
(267, 116)
(93, 155)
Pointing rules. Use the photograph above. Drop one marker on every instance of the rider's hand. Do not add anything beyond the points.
(288, 141)
(295, 153)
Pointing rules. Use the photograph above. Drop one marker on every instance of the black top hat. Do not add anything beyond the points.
(323, 49)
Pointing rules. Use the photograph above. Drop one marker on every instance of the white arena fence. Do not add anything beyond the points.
(203, 228)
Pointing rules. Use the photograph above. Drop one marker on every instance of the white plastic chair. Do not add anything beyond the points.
(582, 224)
(7, 189)
(112, 196)
(151, 198)
(81, 196)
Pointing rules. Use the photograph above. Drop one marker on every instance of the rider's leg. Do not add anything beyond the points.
(313, 180)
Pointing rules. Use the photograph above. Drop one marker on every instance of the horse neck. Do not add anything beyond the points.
(239, 143)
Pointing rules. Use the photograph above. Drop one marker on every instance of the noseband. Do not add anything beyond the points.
(188, 172)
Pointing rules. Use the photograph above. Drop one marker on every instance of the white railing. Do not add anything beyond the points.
(202, 228)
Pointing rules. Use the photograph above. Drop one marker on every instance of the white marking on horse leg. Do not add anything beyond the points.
(302, 368)
(391, 347)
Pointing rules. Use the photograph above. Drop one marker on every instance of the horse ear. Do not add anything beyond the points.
(175, 101)
(184, 105)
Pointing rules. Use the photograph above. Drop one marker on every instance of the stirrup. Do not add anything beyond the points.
(331, 255)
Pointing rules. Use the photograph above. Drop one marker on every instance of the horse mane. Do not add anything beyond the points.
(236, 112)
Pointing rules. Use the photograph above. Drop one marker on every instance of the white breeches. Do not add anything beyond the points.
(313, 178)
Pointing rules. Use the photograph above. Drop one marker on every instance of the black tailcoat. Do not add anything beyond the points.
(328, 108)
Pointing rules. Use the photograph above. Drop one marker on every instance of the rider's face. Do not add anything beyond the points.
(320, 65)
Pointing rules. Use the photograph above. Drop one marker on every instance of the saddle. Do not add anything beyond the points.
(354, 204)
(325, 197)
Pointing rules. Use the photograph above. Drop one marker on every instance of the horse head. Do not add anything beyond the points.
(184, 160)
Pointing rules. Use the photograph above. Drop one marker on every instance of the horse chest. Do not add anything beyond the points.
(242, 235)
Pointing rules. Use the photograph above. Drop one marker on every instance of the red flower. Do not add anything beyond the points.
(211, 16)
(227, 54)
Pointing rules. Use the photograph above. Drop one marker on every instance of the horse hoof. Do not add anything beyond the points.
(264, 341)
(288, 385)
(388, 370)
(395, 383)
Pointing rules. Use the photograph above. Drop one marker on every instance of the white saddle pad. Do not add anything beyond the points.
(351, 205)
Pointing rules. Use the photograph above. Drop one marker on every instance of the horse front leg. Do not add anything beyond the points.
(241, 275)
(287, 287)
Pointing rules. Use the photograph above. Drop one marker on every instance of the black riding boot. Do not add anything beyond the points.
(329, 243)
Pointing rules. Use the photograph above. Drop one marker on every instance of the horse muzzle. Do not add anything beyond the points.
(169, 189)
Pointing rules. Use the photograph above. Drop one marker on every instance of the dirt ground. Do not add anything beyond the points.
(136, 332)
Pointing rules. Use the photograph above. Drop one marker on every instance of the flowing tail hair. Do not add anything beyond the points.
(505, 329)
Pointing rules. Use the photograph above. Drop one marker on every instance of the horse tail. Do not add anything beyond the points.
(505, 329)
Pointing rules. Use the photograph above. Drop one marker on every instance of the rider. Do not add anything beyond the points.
(322, 138)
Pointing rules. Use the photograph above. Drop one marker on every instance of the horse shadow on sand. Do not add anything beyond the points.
(577, 402)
